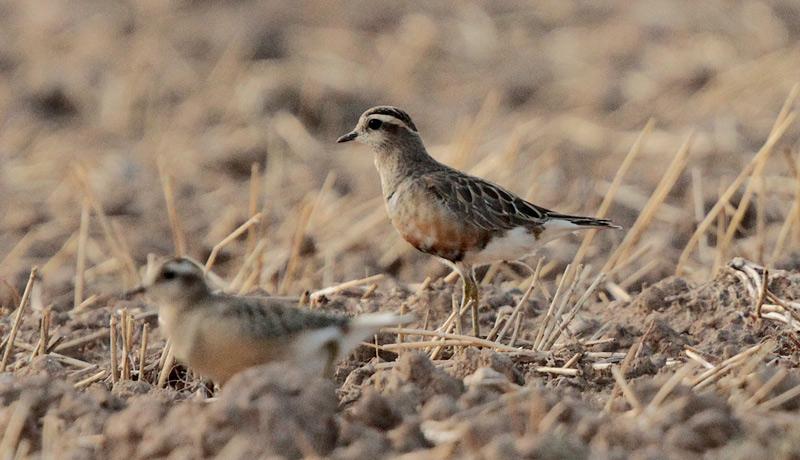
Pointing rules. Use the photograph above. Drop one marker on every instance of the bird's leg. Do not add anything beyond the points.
(470, 292)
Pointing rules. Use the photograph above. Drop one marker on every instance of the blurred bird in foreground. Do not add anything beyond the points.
(219, 335)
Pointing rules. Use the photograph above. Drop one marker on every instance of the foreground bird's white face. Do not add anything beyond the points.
(176, 279)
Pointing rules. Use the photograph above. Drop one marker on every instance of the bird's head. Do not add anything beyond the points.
(384, 127)
(173, 280)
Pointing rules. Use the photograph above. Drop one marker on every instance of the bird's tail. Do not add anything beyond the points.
(372, 322)
(363, 326)
(583, 221)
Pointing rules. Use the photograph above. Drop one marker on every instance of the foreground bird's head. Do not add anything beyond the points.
(176, 281)
(385, 128)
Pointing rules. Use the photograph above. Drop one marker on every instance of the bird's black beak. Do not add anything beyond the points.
(130, 293)
(347, 137)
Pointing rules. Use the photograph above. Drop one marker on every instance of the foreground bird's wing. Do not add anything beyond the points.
(482, 203)
(270, 318)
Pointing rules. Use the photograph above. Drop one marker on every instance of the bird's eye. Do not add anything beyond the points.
(374, 123)
(169, 275)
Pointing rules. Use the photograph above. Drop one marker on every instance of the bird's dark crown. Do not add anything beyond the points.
(392, 112)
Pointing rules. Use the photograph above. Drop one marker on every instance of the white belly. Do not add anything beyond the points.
(519, 243)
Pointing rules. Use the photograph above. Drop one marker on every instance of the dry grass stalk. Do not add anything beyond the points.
(695, 356)
(255, 192)
(636, 406)
(782, 398)
(719, 254)
(498, 322)
(660, 193)
(557, 370)
(251, 280)
(174, 219)
(445, 335)
(649, 266)
(426, 322)
(113, 341)
(449, 324)
(89, 380)
(670, 385)
(22, 245)
(551, 309)
(44, 331)
(83, 236)
(468, 138)
(612, 190)
(551, 417)
(424, 344)
(564, 322)
(457, 313)
(18, 320)
(591, 342)
(792, 216)
(169, 360)
(393, 364)
(252, 259)
(571, 362)
(125, 371)
(517, 309)
(81, 340)
(783, 121)
(613, 354)
(402, 312)
(370, 290)
(746, 370)
(51, 431)
(163, 358)
(636, 256)
(763, 294)
(426, 284)
(699, 208)
(624, 368)
(360, 228)
(452, 277)
(768, 386)
(494, 268)
(517, 328)
(761, 224)
(744, 202)
(294, 255)
(64, 359)
(15, 424)
(235, 234)
(788, 306)
(128, 344)
(131, 276)
(143, 352)
(347, 285)
(617, 291)
(712, 375)
(58, 260)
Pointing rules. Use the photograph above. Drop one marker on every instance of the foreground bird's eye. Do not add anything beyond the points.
(168, 275)
(374, 124)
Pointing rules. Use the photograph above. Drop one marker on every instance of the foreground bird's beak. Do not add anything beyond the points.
(347, 137)
(137, 290)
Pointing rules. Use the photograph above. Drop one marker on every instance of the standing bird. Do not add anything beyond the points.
(463, 220)
(219, 335)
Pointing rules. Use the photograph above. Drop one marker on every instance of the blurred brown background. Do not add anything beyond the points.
(545, 98)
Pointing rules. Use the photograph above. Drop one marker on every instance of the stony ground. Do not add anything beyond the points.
(138, 128)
